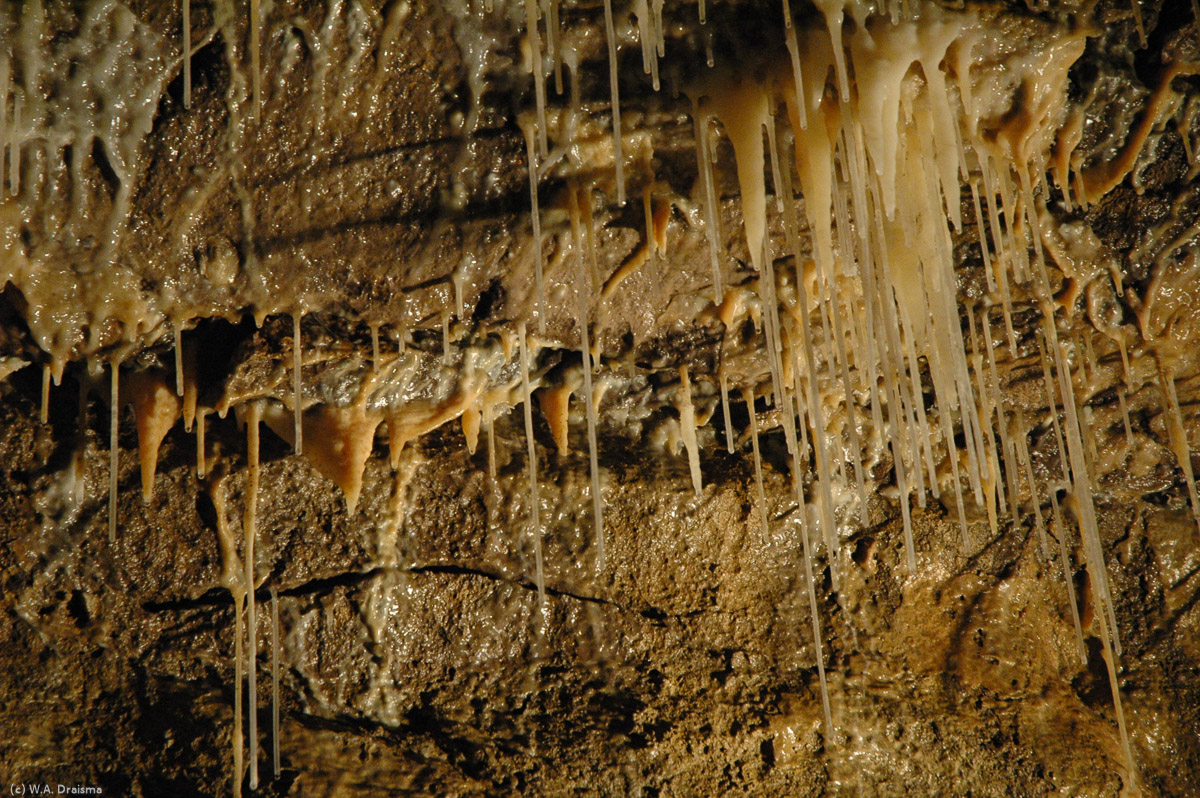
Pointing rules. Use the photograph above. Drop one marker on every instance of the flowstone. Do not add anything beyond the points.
(890, 411)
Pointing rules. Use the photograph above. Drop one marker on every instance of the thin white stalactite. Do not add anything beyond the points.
(5, 78)
(850, 150)
(712, 210)
(297, 377)
(1001, 421)
(1052, 404)
(712, 229)
(583, 289)
(712, 232)
(687, 426)
(1089, 531)
(256, 54)
(1001, 256)
(201, 465)
(748, 399)
(374, 348)
(797, 73)
(275, 761)
(1140, 24)
(14, 147)
(1183, 453)
(993, 495)
(988, 269)
(539, 77)
(239, 764)
(113, 429)
(44, 411)
(1125, 415)
(610, 37)
(810, 583)
(724, 381)
(540, 285)
(1067, 573)
(770, 314)
(187, 53)
(489, 418)
(1026, 462)
(1080, 477)
(893, 358)
(913, 424)
(250, 527)
(531, 467)
(816, 411)
(773, 325)
(817, 415)
(177, 330)
(554, 43)
(781, 180)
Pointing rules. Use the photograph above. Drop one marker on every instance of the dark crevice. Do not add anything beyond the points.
(221, 597)
(459, 570)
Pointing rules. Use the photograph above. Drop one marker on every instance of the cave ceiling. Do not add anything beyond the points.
(599, 398)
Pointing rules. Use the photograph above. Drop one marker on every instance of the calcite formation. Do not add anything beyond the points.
(622, 398)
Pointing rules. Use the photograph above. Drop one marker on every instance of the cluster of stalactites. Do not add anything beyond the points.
(887, 122)
(877, 121)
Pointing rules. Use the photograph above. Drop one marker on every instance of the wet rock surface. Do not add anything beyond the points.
(381, 189)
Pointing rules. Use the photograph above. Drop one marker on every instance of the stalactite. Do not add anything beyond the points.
(250, 530)
(531, 467)
(446, 338)
(1089, 531)
(375, 347)
(1179, 441)
(255, 54)
(554, 42)
(1067, 573)
(14, 147)
(994, 497)
(490, 422)
(878, 159)
(297, 377)
(177, 333)
(275, 761)
(712, 232)
(610, 37)
(44, 408)
(584, 291)
(539, 259)
(113, 429)
(156, 408)
(712, 229)
(809, 581)
(187, 53)
(1125, 416)
(5, 130)
(783, 190)
(1026, 464)
(239, 765)
(687, 425)
(1006, 448)
(539, 79)
(201, 465)
(748, 400)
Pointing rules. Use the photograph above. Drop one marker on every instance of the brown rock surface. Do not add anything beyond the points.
(414, 659)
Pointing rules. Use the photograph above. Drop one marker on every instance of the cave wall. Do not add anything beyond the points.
(376, 195)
